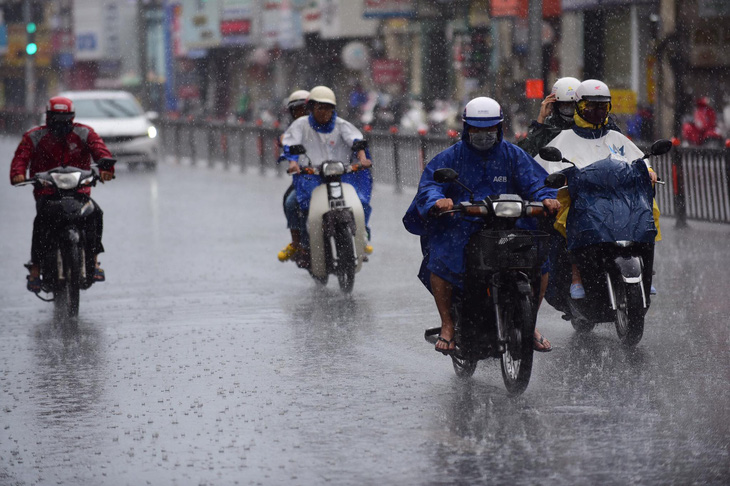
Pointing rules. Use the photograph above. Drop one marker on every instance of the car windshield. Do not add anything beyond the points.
(107, 108)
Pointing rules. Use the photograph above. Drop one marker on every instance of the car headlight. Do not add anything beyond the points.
(508, 209)
(333, 169)
(152, 132)
(66, 181)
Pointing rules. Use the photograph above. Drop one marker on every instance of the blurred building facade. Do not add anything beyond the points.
(241, 58)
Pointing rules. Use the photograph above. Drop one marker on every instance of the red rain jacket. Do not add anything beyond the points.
(40, 150)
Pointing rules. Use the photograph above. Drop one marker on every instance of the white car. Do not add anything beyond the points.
(120, 121)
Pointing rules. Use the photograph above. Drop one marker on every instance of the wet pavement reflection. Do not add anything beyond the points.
(203, 360)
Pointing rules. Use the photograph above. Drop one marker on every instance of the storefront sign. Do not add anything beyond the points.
(389, 8)
(388, 71)
(623, 101)
(200, 24)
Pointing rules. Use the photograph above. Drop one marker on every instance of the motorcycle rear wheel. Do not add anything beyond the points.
(516, 361)
(629, 313)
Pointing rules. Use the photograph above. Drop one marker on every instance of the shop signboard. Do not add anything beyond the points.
(343, 19)
(201, 24)
(389, 8)
(236, 22)
(282, 25)
(97, 29)
(388, 71)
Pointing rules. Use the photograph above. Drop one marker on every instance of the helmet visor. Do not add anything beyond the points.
(52, 116)
(482, 122)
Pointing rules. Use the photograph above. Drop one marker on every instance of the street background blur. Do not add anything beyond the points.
(410, 64)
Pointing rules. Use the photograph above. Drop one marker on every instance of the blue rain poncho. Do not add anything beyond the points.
(611, 200)
(503, 169)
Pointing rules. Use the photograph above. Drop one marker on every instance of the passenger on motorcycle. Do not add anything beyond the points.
(325, 136)
(590, 140)
(297, 105)
(60, 142)
(487, 164)
(556, 115)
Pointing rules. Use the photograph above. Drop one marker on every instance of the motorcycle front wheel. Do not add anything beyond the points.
(345, 259)
(463, 367)
(517, 357)
(629, 313)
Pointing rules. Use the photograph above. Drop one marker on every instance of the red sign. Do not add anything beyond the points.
(388, 71)
(235, 27)
(519, 8)
(534, 89)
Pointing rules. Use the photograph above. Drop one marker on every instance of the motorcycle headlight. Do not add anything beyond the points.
(508, 209)
(333, 169)
(152, 132)
(66, 181)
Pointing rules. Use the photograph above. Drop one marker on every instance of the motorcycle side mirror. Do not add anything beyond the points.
(450, 175)
(297, 150)
(551, 154)
(556, 180)
(105, 163)
(445, 175)
(660, 147)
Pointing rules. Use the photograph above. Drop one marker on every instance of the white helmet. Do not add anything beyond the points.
(482, 112)
(592, 90)
(564, 89)
(322, 94)
(297, 98)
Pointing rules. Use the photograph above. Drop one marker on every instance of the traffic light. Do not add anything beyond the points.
(30, 46)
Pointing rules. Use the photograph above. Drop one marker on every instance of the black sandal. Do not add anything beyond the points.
(445, 352)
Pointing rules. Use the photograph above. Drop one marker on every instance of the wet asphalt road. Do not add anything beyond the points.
(204, 361)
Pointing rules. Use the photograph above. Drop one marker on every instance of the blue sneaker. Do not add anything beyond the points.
(652, 291)
(577, 291)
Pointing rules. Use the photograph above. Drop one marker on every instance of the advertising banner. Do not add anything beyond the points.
(389, 8)
(201, 24)
(97, 29)
(236, 22)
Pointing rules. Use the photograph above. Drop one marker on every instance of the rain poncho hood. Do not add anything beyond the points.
(611, 200)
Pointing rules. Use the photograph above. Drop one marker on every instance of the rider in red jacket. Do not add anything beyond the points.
(60, 142)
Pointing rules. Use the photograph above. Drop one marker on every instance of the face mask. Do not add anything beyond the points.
(483, 140)
(566, 110)
(595, 113)
(60, 129)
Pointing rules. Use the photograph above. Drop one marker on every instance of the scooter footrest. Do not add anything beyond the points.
(432, 335)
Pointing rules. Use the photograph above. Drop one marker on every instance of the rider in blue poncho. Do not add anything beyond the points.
(488, 165)
(325, 136)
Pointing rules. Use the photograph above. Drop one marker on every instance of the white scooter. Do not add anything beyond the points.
(336, 224)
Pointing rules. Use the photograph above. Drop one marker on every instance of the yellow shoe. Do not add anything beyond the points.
(287, 252)
(369, 249)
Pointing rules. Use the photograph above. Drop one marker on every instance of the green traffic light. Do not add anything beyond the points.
(31, 48)
(30, 27)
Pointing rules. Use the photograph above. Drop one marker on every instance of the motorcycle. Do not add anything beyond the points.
(67, 268)
(610, 233)
(494, 315)
(335, 223)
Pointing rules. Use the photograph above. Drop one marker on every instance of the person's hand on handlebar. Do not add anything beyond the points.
(362, 159)
(105, 175)
(552, 205)
(17, 179)
(293, 167)
(442, 205)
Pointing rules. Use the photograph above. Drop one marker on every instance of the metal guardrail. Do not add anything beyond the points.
(697, 179)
